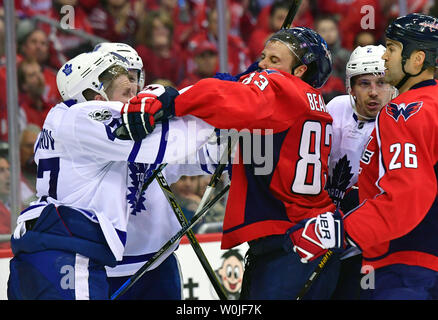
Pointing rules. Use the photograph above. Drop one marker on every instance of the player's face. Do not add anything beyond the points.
(393, 62)
(123, 89)
(133, 78)
(277, 56)
(4, 177)
(371, 94)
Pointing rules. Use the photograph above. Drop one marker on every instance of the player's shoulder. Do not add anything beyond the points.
(97, 110)
(418, 103)
(340, 105)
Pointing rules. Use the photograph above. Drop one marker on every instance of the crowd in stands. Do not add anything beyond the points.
(178, 42)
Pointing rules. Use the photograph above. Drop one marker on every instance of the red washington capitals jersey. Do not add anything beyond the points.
(298, 144)
(398, 221)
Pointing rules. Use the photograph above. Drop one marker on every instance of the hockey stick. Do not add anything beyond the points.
(170, 196)
(223, 162)
(134, 278)
(291, 14)
(319, 268)
(153, 176)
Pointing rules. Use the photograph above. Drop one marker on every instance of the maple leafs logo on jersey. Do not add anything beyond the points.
(397, 110)
(138, 173)
(339, 180)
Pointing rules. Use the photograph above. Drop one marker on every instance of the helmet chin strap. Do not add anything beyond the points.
(407, 74)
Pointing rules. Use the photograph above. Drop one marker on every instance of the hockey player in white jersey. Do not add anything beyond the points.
(353, 121)
(64, 240)
(153, 223)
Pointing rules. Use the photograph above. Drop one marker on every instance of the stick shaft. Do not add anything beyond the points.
(291, 14)
(170, 196)
(134, 278)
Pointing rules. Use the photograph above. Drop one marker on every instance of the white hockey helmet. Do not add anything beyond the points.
(125, 50)
(365, 60)
(83, 71)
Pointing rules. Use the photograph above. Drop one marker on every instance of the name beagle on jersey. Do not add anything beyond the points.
(316, 102)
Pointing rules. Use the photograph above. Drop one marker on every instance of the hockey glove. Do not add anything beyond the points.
(311, 238)
(226, 76)
(154, 104)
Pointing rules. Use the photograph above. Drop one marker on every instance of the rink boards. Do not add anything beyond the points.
(228, 265)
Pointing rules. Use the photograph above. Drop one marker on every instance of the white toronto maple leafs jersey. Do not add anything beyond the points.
(154, 222)
(349, 138)
(83, 165)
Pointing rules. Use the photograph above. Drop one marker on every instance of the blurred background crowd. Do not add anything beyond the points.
(178, 42)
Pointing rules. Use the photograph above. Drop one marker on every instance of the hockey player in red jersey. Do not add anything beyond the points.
(396, 223)
(261, 208)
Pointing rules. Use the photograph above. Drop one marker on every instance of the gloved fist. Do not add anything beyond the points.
(154, 104)
(311, 238)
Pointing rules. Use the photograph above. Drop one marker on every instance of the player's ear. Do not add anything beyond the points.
(300, 70)
(99, 97)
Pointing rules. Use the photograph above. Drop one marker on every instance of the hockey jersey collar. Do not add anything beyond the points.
(69, 102)
(425, 83)
(357, 119)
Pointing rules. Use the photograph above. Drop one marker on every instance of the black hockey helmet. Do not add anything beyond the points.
(310, 49)
(416, 32)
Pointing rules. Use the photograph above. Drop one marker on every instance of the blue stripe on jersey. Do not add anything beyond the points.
(163, 142)
(122, 236)
(425, 83)
(32, 207)
(134, 151)
(135, 259)
(260, 203)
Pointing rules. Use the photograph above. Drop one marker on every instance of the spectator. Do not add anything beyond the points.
(64, 46)
(370, 15)
(26, 8)
(418, 6)
(236, 9)
(364, 38)
(238, 53)
(277, 13)
(185, 191)
(5, 214)
(28, 166)
(31, 85)
(335, 8)
(115, 20)
(248, 19)
(206, 64)
(303, 18)
(182, 16)
(217, 212)
(162, 57)
(33, 44)
(327, 27)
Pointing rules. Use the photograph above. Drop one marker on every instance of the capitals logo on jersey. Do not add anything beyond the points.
(406, 111)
